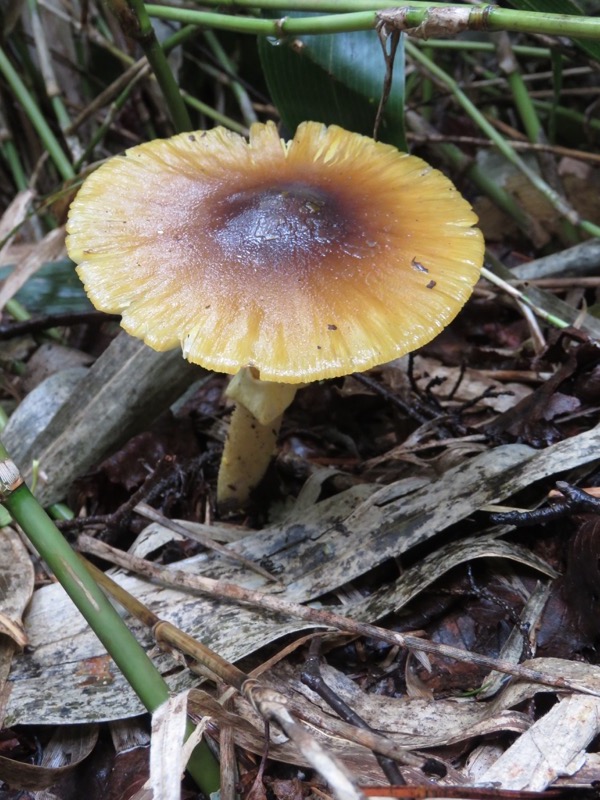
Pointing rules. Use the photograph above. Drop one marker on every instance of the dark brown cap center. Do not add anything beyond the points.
(280, 227)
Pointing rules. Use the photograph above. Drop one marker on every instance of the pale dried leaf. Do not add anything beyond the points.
(411, 723)
(554, 746)
(16, 585)
(512, 649)
(166, 755)
(587, 774)
(106, 408)
(48, 359)
(481, 759)
(418, 577)
(34, 412)
(473, 384)
(68, 747)
(581, 259)
(51, 248)
(128, 734)
(316, 552)
(12, 218)
(249, 733)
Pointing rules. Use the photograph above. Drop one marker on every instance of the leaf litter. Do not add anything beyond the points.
(429, 521)
(394, 519)
(384, 519)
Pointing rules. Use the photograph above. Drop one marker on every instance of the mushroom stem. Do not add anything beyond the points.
(248, 450)
(252, 436)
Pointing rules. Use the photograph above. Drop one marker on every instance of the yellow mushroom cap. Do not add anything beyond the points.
(310, 259)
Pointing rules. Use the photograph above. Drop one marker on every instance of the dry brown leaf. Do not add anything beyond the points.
(315, 552)
(12, 218)
(51, 248)
(473, 384)
(65, 751)
(16, 585)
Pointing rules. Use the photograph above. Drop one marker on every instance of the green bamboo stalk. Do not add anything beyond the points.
(169, 44)
(522, 100)
(557, 83)
(529, 117)
(454, 156)
(326, 6)
(215, 116)
(10, 154)
(292, 26)
(17, 310)
(470, 46)
(104, 620)
(482, 18)
(503, 146)
(528, 114)
(237, 88)
(61, 162)
(427, 90)
(135, 21)
(568, 114)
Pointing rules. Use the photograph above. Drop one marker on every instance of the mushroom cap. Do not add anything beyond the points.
(310, 259)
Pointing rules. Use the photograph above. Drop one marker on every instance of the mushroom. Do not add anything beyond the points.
(283, 262)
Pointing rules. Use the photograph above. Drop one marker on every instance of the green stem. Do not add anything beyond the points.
(568, 114)
(510, 67)
(104, 620)
(61, 162)
(48, 75)
(140, 28)
(11, 155)
(237, 88)
(292, 26)
(461, 163)
(169, 44)
(523, 298)
(471, 46)
(215, 116)
(327, 6)
(484, 18)
(529, 118)
(427, 90)
(503, 146)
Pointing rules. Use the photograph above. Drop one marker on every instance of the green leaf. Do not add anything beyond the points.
(54, 289)
(335, 79)
(560, 7)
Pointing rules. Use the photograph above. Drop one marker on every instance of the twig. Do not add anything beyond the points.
(575, 501)
(11, 330)
(267, 702)
(311, 677)
(144, 510)
(228, 591)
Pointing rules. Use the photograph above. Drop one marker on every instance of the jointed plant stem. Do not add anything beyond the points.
(503, 146)
(480, 18)
(237, 87)
(104, 620)
(136, 22)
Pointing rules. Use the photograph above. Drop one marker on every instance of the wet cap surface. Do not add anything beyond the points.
(309, 259)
